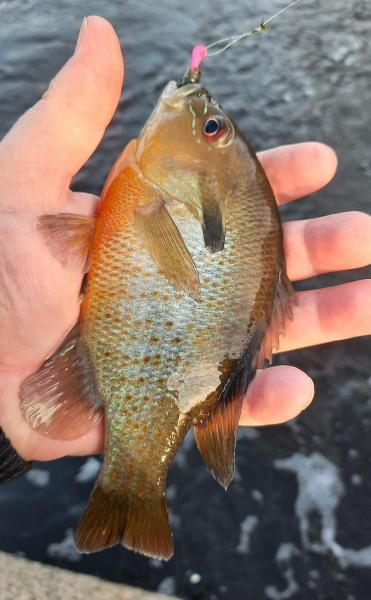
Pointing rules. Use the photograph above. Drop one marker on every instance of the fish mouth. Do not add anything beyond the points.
(174, 95)
(174, 98)
(190, 76)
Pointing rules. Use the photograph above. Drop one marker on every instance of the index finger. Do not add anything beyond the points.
(297, 170)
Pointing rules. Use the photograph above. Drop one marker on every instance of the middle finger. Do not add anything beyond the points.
(326, 244)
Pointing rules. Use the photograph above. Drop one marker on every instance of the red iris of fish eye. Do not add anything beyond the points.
(212, 127)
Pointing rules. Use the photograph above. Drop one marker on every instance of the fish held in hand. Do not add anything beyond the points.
(186, 296)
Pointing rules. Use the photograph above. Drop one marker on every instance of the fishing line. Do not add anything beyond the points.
(200, 52)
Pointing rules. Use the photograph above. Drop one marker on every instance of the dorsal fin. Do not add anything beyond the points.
(126, 156)
(282, 310)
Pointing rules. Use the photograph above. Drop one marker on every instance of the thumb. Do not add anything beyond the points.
(52, 140)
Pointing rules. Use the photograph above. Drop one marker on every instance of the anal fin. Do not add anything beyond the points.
(216, 440)
(60, 400)
(215, 431)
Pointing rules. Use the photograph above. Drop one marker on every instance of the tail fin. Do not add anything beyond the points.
(140, 524)
(11, 464)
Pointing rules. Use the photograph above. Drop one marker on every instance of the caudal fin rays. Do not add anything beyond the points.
(140, 524)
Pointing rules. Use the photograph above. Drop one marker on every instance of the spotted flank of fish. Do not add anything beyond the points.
(186, 295)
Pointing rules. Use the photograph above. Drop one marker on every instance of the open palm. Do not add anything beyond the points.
(39, 299)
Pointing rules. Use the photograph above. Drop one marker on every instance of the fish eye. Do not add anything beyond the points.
(212, 126)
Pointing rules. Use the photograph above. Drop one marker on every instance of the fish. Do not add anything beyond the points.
(186, 296)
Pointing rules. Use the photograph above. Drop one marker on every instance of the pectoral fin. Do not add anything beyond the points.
(213, 218)
(60, 400)
(167, 248)
(68, 237)
(213, 228)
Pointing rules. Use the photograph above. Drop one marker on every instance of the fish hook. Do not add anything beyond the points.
(200, 51)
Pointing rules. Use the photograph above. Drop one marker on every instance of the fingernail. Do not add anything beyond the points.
(83, 28)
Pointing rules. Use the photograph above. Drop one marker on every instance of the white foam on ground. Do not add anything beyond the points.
(181, 456)
(247, 528)
(88, 471)
(285, 553)
(167, 586)
(353, 453)
(257, 496)
(156, 563)
(237, 478)
(171, 492)
(356, 479)
(65, 549)
(38, 477)
(175, 520)
(320, 491)
(314, 574)
(292, 587)
(247, 433)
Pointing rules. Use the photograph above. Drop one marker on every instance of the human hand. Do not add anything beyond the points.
(39, 299)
